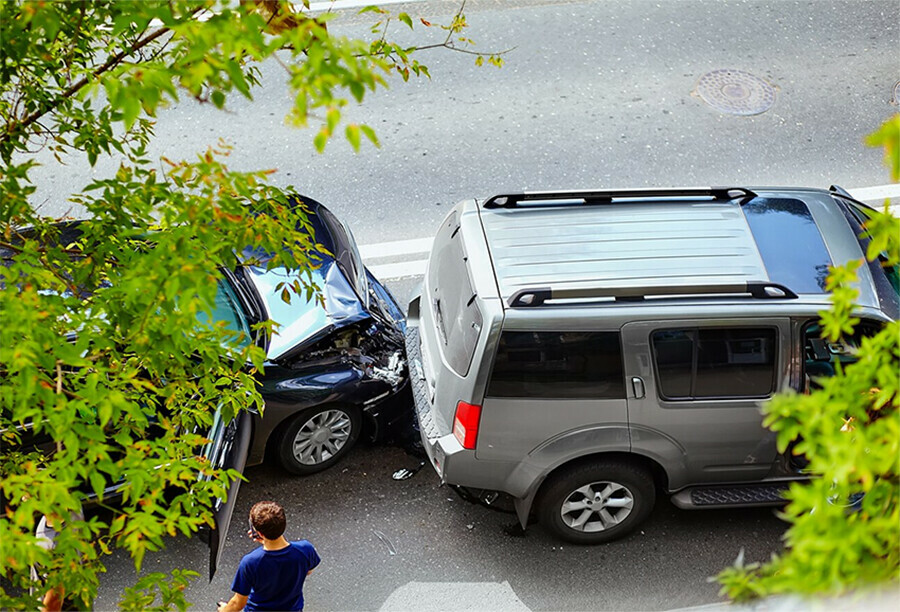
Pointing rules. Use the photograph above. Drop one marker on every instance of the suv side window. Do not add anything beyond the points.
(822, 358)
(715, 363)
(558, 365)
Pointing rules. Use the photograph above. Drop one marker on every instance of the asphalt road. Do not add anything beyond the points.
(449, 554)
(593, 94)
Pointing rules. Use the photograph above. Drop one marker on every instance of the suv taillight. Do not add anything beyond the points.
(465, 424)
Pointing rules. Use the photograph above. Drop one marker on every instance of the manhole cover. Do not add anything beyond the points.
(736, 92)
(895, 98)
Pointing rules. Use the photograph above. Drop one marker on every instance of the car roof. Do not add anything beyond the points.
(644, 241)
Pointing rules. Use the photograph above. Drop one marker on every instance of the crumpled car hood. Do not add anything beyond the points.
(303, 322)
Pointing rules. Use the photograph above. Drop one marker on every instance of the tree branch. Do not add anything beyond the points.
(68, 61)
(15, 127)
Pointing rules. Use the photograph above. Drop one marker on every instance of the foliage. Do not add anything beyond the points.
(849, 430)
(109, 351)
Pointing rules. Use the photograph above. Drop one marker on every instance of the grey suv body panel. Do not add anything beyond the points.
(628, 247)
(701, 441)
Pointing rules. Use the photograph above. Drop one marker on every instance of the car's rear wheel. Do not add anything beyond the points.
(597, 502)
(318, 438)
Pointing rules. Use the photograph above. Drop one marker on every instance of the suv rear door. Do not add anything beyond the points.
(694, 392)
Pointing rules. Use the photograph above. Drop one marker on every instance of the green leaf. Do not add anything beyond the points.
(352, 132)
(218, 98)
(321, 140)
(406, 19)
(105, 412)
(332, 118)
(131, 108)
(236, 73)
(370, 134)
(98, 484)
(357, 90)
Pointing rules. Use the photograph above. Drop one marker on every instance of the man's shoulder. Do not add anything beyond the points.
(306, 551)
(304, 545)
(253, 557)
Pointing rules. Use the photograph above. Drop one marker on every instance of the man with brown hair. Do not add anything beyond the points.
(271, 577)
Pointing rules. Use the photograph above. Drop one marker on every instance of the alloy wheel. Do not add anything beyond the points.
(597, 506)
(322, 437)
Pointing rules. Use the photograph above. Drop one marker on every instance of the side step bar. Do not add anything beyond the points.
(731, 496)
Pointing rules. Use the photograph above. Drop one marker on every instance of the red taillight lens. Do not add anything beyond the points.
(465, 424)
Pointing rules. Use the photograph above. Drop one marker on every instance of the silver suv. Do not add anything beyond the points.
(586, 351)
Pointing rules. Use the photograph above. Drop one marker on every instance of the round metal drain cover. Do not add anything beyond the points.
(895, 98)
(736, 92)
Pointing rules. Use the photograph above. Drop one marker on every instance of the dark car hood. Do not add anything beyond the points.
(302, 322)
(339, 274)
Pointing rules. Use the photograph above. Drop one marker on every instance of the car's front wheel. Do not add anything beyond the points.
(318, 438)
(597, 502)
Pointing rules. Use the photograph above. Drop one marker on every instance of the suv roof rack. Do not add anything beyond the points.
(838, 190)
(606, 196)
(763, 290)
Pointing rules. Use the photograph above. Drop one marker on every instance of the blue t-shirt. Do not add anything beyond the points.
(273, 579)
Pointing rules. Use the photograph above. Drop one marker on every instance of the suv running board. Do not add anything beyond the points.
(731, 496)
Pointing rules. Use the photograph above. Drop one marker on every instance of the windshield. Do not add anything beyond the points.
(885, 275)
(227, 309)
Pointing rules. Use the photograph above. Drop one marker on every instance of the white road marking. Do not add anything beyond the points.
(336, 5)
(404, 269)
(314, 7)
(392, 249)
(876, 195)
(422, 246)
(440, 596)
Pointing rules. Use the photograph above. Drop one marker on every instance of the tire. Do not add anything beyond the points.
(319, 437)
(597, 502)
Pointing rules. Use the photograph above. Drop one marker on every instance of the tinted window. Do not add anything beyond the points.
(789, 242)
(823, 357)
(558, 364)
(715, 362)
(674, 351)
(227, 309)
(456, 314)
(885, 276)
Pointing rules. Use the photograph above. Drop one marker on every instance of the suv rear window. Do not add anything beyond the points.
(789, 242)
(457, 317)
(711, 363)
(558, 364)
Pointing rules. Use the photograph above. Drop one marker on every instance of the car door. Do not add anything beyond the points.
(227, 450)
(695, 389)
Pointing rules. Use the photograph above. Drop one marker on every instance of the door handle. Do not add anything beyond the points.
(637, 386)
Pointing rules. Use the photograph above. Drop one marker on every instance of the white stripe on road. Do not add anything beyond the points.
(314, 7)
(404, 269)
(876, 194)
(392, 249)
(348, 4)
(422, 246)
